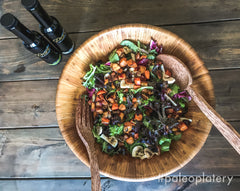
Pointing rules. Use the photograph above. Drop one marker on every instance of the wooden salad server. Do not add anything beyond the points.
(84, 125)
(184, 80)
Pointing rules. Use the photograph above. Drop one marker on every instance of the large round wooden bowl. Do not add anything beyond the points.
(70, 87)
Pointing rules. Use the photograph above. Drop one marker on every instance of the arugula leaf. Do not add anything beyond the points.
(145, 102)
(116, 129)
(130, 45)
(104, 146)
(120, 96)
(182, 101)
(153, 52)
(175, 88)
(103, 69)
(130, 115)
(147, 123)
(150, 57)
(95, 134)
(89, 78)
(182, 104)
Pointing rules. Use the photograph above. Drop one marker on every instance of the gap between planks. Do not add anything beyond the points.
(57, 78)
(56, 127)
(163, 25)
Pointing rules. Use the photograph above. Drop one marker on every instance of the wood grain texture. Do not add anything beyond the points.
(113, 185)
(84, 124)
(88, 15)
(223, 126)
(216, 43)
(70, 88)
(32, 104)
(43, 153)
(184, 79)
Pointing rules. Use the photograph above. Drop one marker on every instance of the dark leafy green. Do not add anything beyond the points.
(116, 129)
(175, 89)
(153, 114)
(120, 96)
(151, 57)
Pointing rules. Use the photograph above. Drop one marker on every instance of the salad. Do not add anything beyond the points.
(138, 108)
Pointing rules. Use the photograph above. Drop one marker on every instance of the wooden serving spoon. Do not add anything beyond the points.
(83, 125)
(184, 80)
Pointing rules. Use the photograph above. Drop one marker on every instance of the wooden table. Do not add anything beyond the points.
(33, 154)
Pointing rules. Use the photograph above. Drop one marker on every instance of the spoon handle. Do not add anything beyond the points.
(224, 127)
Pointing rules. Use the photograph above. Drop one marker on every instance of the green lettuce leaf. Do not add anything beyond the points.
(175, 88)
(116, 129)
(113, 57)
(130, 45)
(165, 143)
(89, 77)
(103, 69)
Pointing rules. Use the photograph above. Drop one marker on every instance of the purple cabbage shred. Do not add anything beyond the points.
(154, 46)
(90, 92)
(181, 95)
(108, 64)
(143, 61)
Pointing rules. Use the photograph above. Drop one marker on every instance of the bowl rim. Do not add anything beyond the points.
(127, 26)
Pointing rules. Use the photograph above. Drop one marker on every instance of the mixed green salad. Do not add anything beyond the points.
(138, 108)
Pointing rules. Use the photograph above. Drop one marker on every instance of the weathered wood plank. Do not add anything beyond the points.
(28, 103)
(216, 43)
(32, 103)
(92, 15)
(17, 63)
(43, 153)
(114, 185)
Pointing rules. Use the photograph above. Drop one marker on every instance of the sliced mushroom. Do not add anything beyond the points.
(99, 130)
(132, 70)
(133, 57)
(138, 151)
(165, 77)
(124, 85)
(127, 50)
(184, 118)
(147, 154)
(170, 80)
(106, 76)
(111, 140)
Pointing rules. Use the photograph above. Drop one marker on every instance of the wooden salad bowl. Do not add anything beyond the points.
(125, 167)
